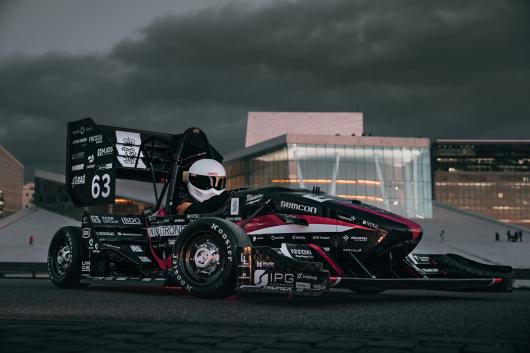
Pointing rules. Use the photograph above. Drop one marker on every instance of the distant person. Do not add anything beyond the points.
(521, 236)
(31, 239)
(508, 235)
(497, 237)
(442, 235)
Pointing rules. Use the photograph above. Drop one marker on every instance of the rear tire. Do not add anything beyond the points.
(205, 257)
(64, 258)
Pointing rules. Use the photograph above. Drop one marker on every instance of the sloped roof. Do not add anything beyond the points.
(17, 228)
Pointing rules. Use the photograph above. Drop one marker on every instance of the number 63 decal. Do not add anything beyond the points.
(97, 189)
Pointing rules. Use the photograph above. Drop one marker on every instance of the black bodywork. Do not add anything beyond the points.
(302, 241)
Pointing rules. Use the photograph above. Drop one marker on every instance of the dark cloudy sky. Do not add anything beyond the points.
(451, 69)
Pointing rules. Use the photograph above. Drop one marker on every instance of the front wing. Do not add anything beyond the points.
(264, 270)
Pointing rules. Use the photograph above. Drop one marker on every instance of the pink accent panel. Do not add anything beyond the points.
(415, 228)
(325, 256)
(271, 220)
(261, 222)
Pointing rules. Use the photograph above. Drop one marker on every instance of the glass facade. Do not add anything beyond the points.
(397, 179)
(491, 178)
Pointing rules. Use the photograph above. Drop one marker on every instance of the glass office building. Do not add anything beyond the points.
(489, 177)
(391, 173)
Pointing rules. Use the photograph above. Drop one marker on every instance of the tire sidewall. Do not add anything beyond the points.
(230, 237)
(72, 276)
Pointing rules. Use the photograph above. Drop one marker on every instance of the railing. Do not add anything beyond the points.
(16, 268)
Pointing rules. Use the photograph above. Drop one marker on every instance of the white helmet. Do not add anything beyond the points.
(206, 178)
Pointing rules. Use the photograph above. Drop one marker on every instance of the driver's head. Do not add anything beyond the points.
(206, 178)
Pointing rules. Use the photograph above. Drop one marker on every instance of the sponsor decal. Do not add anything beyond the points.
(78, 141)
(90, 243)
(109, 220)
(78, 167)
(253, 198)
(263, 263)
(144, 259)
(370, 224)
(263, 278)
(278, 289)
(105, 166)
(351, 250)
(243, 261)
(225, 239)
(80, 131)
(86, 233)
(234, 219)
(85, 266)
(165, 231)
(303, 252)
(90, 166)
(78, 155)
(277, 237)
(97, 139)
(127, 234)
(359, 238)
(423, 259)
(131, 220)
(171, 241)
(317, 198)
(90, 158)
(299, 237)
(306, 277)
(321, 237)
(106, 234)
(429, 270)
(302, 285)
(319, 286)
(234, 206)
(178, 277)
(95, 219)
(105, 151)
(128, 147)
(298, 207)
(107, 245)
(78, 180)
(346, 218)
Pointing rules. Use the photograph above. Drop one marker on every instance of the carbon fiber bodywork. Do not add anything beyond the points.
(302, 243)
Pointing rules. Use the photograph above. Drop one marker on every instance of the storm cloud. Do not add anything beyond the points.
(448, 69)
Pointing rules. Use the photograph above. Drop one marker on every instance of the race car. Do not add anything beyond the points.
(267, 240)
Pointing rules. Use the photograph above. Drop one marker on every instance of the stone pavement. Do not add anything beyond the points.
(76, 336)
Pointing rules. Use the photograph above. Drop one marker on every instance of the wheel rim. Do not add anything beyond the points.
(203, 259)
(63, 257)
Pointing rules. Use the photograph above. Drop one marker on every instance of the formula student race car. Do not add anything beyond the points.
(268, 240)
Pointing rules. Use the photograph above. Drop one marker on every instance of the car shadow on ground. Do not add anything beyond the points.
(332, 298)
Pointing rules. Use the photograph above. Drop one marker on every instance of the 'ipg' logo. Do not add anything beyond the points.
(261, 278)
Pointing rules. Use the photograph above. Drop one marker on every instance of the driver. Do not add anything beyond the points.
(206, 184)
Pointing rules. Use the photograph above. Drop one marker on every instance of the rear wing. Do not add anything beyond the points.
(97, 155)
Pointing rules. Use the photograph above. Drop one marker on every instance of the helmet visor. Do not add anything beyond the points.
(205, 182)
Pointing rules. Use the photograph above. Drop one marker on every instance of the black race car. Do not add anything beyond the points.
(269, 240)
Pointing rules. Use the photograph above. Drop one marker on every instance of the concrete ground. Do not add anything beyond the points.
(34, 315)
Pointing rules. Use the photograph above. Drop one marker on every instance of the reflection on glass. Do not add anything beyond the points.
(394, 178)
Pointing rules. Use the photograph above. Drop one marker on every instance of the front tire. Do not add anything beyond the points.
(205, 257)
(64, 258)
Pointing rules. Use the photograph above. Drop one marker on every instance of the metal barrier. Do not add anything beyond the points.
(23, 267)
